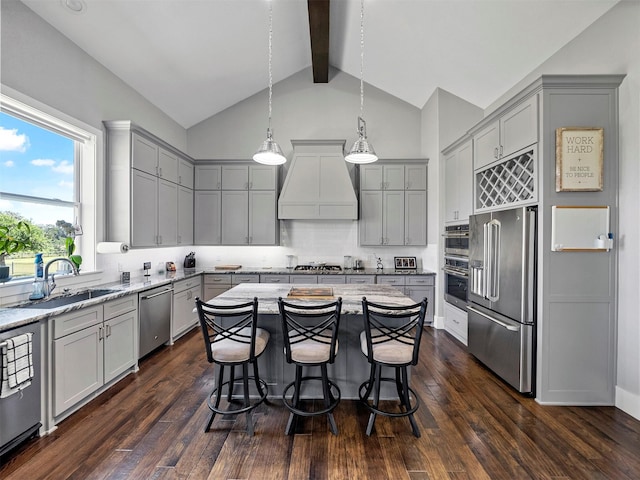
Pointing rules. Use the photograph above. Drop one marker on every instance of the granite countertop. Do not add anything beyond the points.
(12, 317)
(17, 316)
(268, 293)
(290, 271)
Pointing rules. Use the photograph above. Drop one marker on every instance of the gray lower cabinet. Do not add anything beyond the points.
(455, 322)
(214, 285)
(91, 347)
(416, 287)
(360, 279)
(184, 317)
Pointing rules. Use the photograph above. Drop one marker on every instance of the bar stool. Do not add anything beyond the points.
(310, 339)
(391, 338)
(231, 338)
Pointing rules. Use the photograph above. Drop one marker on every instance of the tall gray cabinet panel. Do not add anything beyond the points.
(147, 185)
(576, 290)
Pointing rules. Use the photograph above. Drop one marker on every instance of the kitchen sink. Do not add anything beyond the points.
(66, 299)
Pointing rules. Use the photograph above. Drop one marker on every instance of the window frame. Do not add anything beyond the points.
(87, 167)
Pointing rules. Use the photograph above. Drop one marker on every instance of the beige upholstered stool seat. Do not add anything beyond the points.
(386, 349)
(234, 349)
(310, 350)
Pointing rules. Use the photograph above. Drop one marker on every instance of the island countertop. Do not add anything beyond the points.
(268, 294)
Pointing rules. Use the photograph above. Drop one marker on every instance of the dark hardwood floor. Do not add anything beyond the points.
(150, 425)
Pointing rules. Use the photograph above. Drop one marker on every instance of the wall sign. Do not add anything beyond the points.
(579, 154)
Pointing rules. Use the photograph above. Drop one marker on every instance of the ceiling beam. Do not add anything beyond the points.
(319, 34)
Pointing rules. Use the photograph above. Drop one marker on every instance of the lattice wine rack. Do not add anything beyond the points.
(510, 182)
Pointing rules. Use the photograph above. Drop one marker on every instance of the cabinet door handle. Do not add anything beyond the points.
(160, 172)
(495, 152)
(108, 329)
(501, 151)
(100, 336)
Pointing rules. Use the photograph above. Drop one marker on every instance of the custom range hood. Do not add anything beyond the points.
(318, 185)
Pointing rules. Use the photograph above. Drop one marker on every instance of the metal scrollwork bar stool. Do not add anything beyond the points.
(391, 338)
(231, 339)
(310, 334)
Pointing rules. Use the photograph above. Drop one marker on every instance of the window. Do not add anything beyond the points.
(47, 172)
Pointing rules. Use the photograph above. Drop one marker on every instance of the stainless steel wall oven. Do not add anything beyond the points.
(456, 280)
(456, 265)
(456, 240)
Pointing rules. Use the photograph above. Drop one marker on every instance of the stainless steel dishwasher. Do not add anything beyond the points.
(20, 412)
(155, 318)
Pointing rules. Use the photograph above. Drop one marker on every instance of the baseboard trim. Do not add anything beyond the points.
(628, 402)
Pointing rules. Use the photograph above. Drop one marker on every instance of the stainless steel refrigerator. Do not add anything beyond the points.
(502, 293)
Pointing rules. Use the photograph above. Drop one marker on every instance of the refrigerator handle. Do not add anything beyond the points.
(493, 283)
(485, 261)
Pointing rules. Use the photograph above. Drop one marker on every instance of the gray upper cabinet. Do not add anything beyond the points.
(208, 177)
(206, 217)
(458, 194)
(243, 210)
(151, 158)
(167, 165)
(393, 204)
(185, 173)
(143, 199)
(185, 216)
(382, 177)
(516, 129)
(248, 177)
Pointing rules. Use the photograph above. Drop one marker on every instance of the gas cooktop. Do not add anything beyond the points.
(319, 267)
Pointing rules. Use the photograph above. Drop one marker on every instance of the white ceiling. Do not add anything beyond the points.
(194, 58)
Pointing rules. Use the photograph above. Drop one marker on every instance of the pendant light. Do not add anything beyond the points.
(362, 151)
(270, 152)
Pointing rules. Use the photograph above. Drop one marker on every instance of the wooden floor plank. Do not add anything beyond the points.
(474, 426)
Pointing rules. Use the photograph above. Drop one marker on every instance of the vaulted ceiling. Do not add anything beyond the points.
(194, 58)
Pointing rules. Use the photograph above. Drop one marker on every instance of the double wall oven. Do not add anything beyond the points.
(456, 265)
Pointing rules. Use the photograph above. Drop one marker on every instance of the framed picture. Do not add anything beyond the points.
(171, 267)
(405, 263)
(579, 159)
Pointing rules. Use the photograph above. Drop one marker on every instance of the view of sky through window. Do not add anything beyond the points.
(38, 163)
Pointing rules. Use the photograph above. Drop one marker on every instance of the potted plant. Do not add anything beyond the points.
(70, 246)
(13, 239)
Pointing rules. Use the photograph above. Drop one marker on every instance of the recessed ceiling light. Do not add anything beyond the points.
(74, 6)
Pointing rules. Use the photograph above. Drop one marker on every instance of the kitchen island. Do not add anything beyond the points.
(351, 367)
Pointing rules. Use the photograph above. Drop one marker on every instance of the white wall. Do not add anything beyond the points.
(40, 62)
(612, 45)
(304, 110)
(445, 117)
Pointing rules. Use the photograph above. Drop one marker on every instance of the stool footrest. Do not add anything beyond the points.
(244, 409)
(306, 413)
(409, 408)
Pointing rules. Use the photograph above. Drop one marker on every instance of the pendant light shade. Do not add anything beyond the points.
(270, 152)
(362, 151)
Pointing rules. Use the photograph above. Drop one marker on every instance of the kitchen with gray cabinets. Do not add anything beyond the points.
(585, 312)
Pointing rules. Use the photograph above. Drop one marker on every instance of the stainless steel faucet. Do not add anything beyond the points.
(50, 286)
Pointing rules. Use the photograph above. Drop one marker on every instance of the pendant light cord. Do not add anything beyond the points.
(270, 53)
(361, 59)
